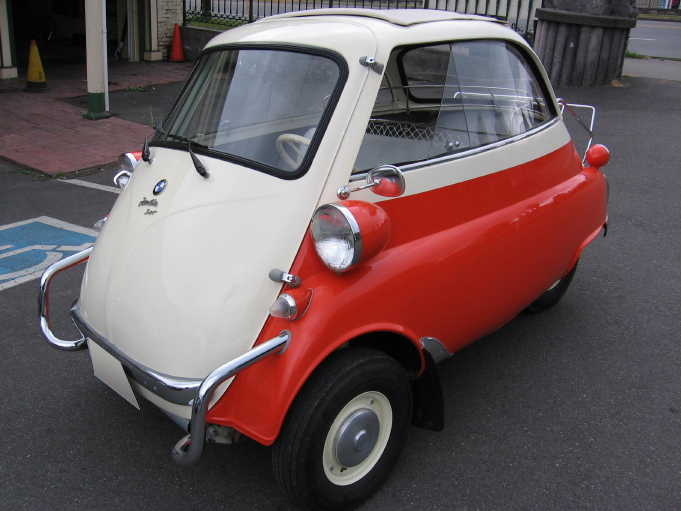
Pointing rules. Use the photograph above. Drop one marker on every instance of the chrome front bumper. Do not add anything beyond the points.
(182, 391)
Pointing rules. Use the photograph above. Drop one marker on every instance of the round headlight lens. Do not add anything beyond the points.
(336, 237)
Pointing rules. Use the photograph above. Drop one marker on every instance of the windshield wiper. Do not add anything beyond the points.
(197, 164)
(159, 127)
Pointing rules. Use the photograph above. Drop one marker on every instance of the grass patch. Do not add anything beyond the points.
(143, 88)
(633, 55)
(34, 174)
(216, 26)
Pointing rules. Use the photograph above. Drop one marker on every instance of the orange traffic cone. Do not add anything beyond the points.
(176, 53)
(35, 78)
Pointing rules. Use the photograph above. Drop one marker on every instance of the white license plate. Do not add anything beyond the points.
(110, 371)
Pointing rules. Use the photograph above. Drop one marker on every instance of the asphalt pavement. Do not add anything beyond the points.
(576, 408)
(656, 38)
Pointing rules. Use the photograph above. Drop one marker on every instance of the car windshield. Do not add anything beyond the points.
(259, 105)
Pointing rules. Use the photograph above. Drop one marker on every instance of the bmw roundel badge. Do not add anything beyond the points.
(160, 186)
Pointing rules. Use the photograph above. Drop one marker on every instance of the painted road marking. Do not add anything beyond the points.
(640, 39)
(27, 248)
(88, 184)
(663, 25)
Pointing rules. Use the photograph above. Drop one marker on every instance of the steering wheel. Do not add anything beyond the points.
(296, 142)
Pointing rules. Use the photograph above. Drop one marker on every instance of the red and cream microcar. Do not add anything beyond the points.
(338, 200)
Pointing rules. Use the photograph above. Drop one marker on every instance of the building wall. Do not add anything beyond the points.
(169, 13)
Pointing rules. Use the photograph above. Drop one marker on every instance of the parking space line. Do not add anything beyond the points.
(88, 184)
(28, 247)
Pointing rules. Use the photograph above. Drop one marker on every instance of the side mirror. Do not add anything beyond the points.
(598, 156)
(386, 181)
(389, 181)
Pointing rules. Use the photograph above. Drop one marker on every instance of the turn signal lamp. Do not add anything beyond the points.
(291, 305)
(348, 233)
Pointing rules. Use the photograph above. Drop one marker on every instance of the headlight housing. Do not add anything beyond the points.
(336, 237)
(349, 233)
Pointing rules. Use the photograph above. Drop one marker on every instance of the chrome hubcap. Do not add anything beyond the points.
(356, 438)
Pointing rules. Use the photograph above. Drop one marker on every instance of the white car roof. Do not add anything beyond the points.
(341, 29)
(402, 17)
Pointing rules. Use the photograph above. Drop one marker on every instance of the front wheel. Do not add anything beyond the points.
(345, 431)
(552, 295)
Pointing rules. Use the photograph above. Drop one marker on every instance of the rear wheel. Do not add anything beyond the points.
(552, 295)
(345, 430)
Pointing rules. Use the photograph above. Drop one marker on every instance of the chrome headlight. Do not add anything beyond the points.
(336, 237)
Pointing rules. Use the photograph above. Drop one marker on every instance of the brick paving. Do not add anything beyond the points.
(40, 131)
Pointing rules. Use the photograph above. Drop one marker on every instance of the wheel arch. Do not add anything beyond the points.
(402, 349)
(602, 228)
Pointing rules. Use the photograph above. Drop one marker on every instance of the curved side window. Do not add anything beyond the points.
(453, 97)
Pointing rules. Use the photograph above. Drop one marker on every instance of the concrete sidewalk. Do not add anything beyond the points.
(46, 133)
(41, 131)
(652, 68)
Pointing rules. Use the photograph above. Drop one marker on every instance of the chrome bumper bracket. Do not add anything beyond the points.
(187, 452)
(44, 301)
(184, 391)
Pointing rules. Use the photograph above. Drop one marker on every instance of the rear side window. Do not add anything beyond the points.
(453, 97)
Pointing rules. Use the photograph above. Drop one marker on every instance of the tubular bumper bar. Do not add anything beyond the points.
(44, 298)
(184, 391)
(186, 452)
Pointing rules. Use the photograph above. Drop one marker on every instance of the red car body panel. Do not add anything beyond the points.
(461, 261)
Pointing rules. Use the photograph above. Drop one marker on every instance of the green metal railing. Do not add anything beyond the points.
(230, 13)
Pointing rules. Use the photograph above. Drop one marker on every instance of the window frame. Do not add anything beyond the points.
(536, 75)
(252, 164)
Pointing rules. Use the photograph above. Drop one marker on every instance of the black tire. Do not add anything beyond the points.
(553, 295)
(358, 379)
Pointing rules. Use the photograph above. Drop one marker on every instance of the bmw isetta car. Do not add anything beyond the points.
(338, 200)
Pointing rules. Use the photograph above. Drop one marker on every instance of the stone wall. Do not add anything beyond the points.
(169, 13)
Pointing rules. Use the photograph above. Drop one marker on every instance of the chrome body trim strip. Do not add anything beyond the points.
(44, 301)
(185, 391)
(476, 150)
(176, 390)
(436, 349)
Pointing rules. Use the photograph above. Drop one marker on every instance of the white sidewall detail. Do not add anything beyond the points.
(380, 405)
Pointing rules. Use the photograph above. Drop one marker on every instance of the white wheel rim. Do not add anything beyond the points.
(377, 403)
(554, 284)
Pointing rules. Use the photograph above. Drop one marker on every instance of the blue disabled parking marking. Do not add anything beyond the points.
(27, 248)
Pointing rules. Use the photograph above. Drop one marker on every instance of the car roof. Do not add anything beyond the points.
(348, 31)
(402, 17)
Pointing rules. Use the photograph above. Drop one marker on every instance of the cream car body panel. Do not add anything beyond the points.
(173, 290)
